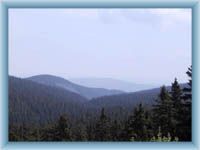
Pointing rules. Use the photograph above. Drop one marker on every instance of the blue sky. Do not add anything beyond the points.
(151, 46)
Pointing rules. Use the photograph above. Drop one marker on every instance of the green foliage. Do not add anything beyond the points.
(102, 129)
(57, 132)
(168, 120)
(137, 125)
(62, 130)
(172, 111)
(163, 111)
(115, 130)
(186, 117)
(176, 96)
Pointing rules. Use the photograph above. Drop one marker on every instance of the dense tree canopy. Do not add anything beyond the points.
(55, 115)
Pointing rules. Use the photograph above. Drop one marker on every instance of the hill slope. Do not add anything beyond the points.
(36, 103)
(110, 83)
(65, 84)
(128, 100)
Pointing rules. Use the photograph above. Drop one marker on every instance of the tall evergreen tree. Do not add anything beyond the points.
(140, 126)
(176, 97)
(90, 132)
(62, 129)
(187, 109)
(115, 131)
(163, 112)
(102, 129)
(128, 132)
(80, 132)
(136, 126)
(58, 132)
(149, 124)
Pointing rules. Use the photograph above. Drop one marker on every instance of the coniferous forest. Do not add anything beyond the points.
(43, 112)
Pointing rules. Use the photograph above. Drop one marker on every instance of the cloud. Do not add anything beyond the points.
(175, 14)
(164, 18)
(169, 18)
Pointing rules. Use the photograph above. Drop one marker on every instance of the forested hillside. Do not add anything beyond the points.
(86, 92)
(39, 112)
(128, 100)
(33, 103)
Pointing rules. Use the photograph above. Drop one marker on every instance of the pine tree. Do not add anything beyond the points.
(163, 112)
(115, 131)
(80, 132)
(140, 127)
(136, 126)
(91, 132)
(57, 132)
(102, 129)
(62, 129)
(176, 97)
(129, 133)
(186, 122)
(149, 124)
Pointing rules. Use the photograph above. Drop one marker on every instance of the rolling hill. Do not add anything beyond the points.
(86, 92)
(110, 83)
(31, 102)
(126, 100)
(34, 103)
(129, 100)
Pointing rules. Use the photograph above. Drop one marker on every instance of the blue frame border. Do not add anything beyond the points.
(6, 4)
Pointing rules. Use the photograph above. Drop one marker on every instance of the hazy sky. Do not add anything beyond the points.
(150, 46)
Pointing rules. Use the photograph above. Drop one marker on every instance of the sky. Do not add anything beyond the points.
(146, 46)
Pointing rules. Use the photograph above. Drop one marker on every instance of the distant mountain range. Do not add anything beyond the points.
(128, 100)
(110, 83)
(42, 99)
(87, 92)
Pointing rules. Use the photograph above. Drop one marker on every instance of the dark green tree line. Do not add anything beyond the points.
(168, 119)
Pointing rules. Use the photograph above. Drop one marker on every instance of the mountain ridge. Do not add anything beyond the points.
(87, 92)
(111, 83)
(35, 101)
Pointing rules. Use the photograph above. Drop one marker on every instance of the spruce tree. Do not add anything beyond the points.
(62, 129)
(80, 132)
(128, 132)
(115, 130)
(102, 129)
(163, 112)
(57, 132)
(91, 132)
(136, 126)
(149, 124)
(176, 97)
(187, 109)
(140, 126)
